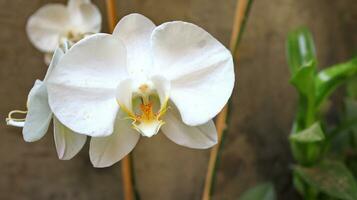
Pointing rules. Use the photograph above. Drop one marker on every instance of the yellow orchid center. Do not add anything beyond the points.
(146, 111)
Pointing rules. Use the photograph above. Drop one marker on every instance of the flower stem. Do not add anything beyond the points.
(111, 14)
(221, 126)
(240, 16)
(126, 167)
(127, 178)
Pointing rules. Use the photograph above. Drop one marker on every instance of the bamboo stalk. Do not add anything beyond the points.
(111, 14)
(239, 17)
(127, 178)
(221, 126)
(126, 161)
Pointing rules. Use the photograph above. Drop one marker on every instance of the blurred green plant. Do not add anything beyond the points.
(325, 154)
(263, 191)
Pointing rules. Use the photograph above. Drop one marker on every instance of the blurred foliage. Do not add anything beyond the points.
(309, 135)
(325, 153)
(330, 177)
(352, 88)
(327, 80)
(263, 191)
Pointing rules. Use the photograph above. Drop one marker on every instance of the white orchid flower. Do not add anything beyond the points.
(52, 23)
(141, 79)
(39, 116)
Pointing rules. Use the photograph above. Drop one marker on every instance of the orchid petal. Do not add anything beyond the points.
(163, 87)
(56, 57)
(200, 69)
(46, 25)
(68, 143)
(97, 61)
(124, 95)
(73, 5)
(198, 137)
(85, 111)
(135, 31)
(39, 113)
(82, 86)
(105, 151)
(86, 18)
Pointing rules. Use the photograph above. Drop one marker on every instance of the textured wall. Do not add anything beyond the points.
(255, 148)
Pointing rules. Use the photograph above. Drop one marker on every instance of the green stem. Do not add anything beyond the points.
(310, 118)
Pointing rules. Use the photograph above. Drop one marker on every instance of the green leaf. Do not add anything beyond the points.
(264, 191)
(299, 183)
(328, 79)
(330, 177)
(352, 165)
(302, 62)
(352, 88)
(306, 145)
(305, 134)
(312, 134)
(300, 49)
(303, 80)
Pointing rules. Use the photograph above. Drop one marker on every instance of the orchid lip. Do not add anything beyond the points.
(146, 110)
(148, 129)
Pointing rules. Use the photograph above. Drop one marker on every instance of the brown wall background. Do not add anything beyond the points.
(256, 147)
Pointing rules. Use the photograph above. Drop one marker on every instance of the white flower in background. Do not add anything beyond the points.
(39, 116)
(141, 79)
(52, 23)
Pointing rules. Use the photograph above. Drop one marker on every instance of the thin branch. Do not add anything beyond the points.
(221, 126)
(126, 161)
(241, 13)
(238, 22)
(127, 178)
(111, 14)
